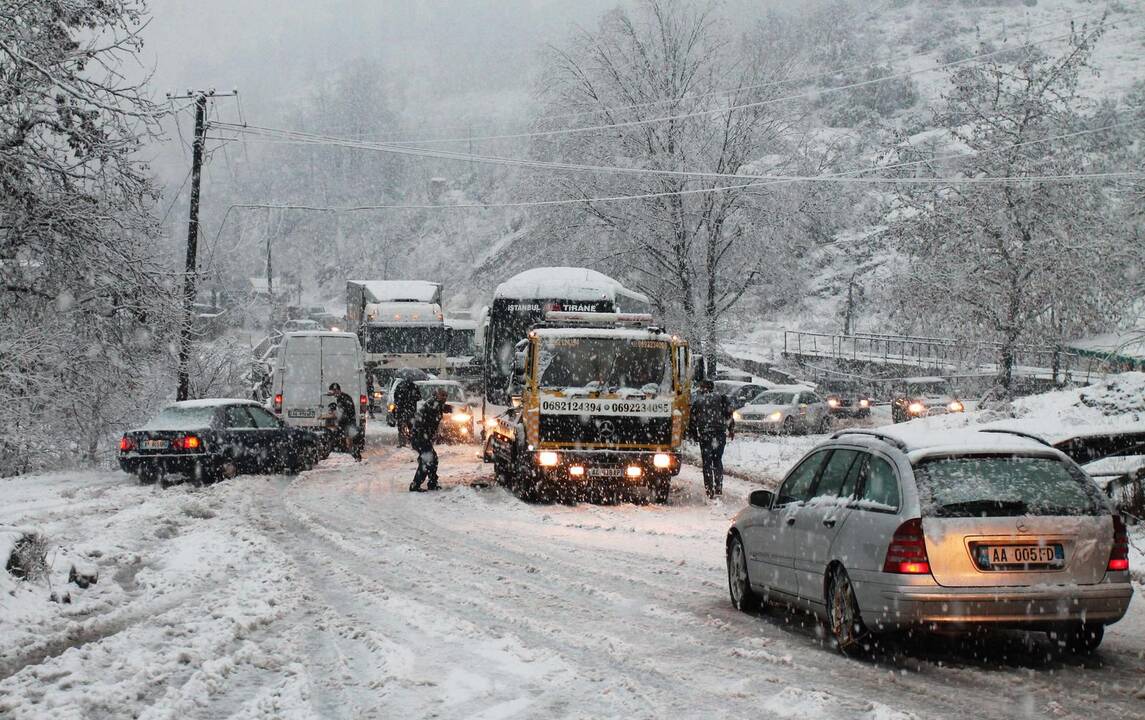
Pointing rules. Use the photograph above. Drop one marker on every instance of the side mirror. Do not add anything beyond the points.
(761, 498)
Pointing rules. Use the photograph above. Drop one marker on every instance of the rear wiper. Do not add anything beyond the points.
(975, 508)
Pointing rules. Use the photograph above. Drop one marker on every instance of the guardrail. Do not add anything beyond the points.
(942, 355)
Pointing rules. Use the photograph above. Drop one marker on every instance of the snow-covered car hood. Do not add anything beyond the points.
(763, 409)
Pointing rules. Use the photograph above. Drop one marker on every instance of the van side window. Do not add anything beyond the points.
(880, 485)
(797, 486)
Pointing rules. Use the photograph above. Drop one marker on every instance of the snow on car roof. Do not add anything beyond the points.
(401, 290)
(212, 402)
(926, 441)
(565, 283)
(320, 333)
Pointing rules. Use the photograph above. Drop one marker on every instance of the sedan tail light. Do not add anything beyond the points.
(1119, 553)
(126, 444)
(906, 554)
(187, 442)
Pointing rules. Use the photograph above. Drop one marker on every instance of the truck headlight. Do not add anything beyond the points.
(633, 471)
(916, 408)
(548, 458)
(576, 470)
(956, 406)
(662, 460)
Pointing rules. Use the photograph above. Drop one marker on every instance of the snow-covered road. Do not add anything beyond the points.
(336, 593)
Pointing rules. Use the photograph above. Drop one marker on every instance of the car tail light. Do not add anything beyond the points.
(126, 443)
(1119, 554)
(278, 403)
(907, 552)
(187, 442)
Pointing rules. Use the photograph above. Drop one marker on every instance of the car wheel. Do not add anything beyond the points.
(227, 468)
(843, 614)
(149, 474)
(825, 424)
(739, 586)
(1080, 639)
(789, 425)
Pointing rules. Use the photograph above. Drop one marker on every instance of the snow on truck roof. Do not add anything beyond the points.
(565, 283)
(599, 332)
(401, 290)
(212, 403)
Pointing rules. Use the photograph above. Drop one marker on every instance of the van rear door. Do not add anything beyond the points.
(303, 393)
(342, 364)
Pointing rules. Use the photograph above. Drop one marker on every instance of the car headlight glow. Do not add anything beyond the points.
(916, 408)
(864, 403)
(548, 458)
(955, 406)
(736, 416)
(833, 402)
(461, 417)
(662, 460)
(775, 416)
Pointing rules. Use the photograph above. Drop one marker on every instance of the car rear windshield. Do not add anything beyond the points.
(1004, 485)
(182, 418)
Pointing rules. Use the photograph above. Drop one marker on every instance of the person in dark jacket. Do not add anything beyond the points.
(711, 425)
(424, 431)
(406, 397)
(347, 435)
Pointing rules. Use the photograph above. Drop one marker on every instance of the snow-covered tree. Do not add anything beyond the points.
(79, 290)
(1019, 260)
(695, 251)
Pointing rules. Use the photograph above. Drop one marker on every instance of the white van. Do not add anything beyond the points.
(307, 363)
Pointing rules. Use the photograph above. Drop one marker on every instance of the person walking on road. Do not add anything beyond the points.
(406, 397)
(347, 435)
(424, 431)
(711, 425)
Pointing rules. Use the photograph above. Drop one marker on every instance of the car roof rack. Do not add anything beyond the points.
(1019, 433)
(890, 439)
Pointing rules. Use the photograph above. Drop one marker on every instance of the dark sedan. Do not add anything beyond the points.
(210, 440)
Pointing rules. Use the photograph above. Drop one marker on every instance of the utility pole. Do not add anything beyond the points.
(191, 269)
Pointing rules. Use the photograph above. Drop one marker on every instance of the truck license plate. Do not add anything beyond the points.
(300, 412)
(605, 472)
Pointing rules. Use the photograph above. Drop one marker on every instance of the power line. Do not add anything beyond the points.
(307, 138)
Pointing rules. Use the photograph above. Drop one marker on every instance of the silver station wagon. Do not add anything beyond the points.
(877, 531)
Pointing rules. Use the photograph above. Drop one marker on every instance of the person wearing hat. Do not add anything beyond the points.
(345, 421)
(422, 435)
(711, 425)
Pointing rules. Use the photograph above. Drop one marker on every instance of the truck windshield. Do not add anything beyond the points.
(607, 364)
(406, 339)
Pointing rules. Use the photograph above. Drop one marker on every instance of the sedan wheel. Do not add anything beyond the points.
(228, 468)
(743, 597)
(843, 614)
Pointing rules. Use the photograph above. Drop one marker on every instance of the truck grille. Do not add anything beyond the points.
(606, 431)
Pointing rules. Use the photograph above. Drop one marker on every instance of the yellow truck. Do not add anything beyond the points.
(600, 404)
